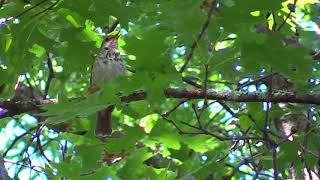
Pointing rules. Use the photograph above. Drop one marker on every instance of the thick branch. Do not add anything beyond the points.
(18, 107)
(232, 96)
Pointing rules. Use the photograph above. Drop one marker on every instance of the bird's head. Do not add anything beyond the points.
(111, 42)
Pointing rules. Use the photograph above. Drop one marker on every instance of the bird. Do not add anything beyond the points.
(107, 65)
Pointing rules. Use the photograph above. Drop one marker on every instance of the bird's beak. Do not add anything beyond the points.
(116, 36)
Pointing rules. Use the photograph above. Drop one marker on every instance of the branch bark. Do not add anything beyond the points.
(232, 96)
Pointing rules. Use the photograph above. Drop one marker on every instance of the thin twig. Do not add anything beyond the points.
(30, 86)
(274, 26)
(39, 146)
(269, 95)
(195, 43)
(206, 72)
(229, 39)
(221, 159)
(257, 171)
(17, 139)
(266, 131)
(1, 3)
(287, 17)
(224, 82)
(25, 166)
(191, 81)
(64, 149)
(211, 119)
(274, 162)
(262, 79)
(305, 144)
(23, 12)
(25, 150)
(50, 76)
(167, 114)
(197, 115)
(227, 108)
(172, 122)
(204, 131)
(46, 9)
(205, 88)
(27, 10)
(30, 164)
(204, 107)
(88, 173)
(36, 135)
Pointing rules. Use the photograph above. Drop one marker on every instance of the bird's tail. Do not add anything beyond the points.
(104, 125)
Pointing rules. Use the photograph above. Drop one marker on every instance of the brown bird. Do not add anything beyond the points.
(106, 66)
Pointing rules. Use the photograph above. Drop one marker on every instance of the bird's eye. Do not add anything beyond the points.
(106, 48)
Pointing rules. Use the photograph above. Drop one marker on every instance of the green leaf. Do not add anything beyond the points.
(245, 122)
(169, 139)
(289, 151)
(134, 168)
(4, 121)
(70, 170)
(137, 110)
(91, 34)
(102, 173)
(127, 142)
(90, 156)
(182, 21)
(6, 41)
(201, 143)
(37, 50)
(78, 140)
(65, 111)
(277, 56)
(72, 17)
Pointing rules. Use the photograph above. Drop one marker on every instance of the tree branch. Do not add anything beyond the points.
(232, 96)
(17, 139)
(46, 9)
(50, 76)
(195, 43)
(292, 9)
(23, 12)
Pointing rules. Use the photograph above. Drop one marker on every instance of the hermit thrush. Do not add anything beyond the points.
(107, 65)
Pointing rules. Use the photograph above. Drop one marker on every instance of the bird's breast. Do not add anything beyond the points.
(105, 70)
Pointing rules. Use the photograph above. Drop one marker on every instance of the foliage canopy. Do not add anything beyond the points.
(178, 52)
